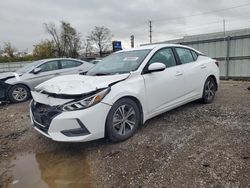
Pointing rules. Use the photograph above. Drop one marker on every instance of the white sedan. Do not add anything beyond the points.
(122, 92)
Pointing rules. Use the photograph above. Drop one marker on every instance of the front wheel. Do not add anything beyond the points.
(209, 91)
(123, 120)
(18, 93)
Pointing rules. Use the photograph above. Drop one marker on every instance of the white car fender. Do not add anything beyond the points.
(128, 90)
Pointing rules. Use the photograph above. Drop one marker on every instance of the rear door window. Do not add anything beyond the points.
(195, 55)
(185, 55)
(69, 64)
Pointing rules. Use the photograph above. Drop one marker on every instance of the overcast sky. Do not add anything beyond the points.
(21, 21)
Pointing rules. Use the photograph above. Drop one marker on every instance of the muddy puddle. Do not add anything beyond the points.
(50, 170)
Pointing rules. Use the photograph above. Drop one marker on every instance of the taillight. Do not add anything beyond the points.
(217, 63)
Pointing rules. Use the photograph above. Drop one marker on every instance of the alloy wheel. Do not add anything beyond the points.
(209, 90)
(124, 119)
(19, 94)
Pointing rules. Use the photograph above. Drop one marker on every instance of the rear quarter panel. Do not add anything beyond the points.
(211, 69)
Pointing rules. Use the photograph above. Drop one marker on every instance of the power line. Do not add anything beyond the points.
(176, 32)
(192, 15)
(183, 30)
(190, 28)
(138, 25)
(181, 17)
(176, 18)
(181, 34)
(203, 13)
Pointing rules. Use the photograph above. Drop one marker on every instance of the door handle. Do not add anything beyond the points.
(178, 73)
(203, 66)
(56, 74)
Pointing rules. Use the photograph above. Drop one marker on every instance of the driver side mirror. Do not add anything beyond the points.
(37, 70)
(156, 67)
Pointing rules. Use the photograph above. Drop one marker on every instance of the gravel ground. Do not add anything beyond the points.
(195, 145)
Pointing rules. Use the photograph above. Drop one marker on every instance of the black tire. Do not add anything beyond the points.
(209, 91)
(118, 132)
(19, 93)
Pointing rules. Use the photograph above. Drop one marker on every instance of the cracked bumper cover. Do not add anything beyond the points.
(4, 87)
(74, 126)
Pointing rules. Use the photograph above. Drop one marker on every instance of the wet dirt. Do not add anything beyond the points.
(50, 170)
(195, 145)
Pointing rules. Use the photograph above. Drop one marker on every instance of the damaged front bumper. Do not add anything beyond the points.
(74, 126)
(4, 87)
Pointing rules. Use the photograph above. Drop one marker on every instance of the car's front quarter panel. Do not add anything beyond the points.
(23, 79)
(13, 81)
(133, 87)
(28, 79)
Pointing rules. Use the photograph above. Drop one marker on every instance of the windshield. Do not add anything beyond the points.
(28, 67)
(118, 63)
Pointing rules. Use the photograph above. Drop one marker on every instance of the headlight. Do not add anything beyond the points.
(86, 102)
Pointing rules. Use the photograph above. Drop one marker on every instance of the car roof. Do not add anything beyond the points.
(42, 61)
(151, 47)
(54, 59)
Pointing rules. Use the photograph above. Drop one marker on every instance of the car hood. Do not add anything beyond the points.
(78, 84)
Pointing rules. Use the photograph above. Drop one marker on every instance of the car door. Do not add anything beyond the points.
(71, 66)
(164, 89)
(49, 70)
(193, 72)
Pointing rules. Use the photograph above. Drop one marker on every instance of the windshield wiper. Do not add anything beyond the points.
(83, 73)
(102, 74)
(105, 73)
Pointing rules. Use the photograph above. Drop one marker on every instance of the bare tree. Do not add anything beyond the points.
(101, 37)
(70, 39)
(1, 50)
(67, 39)
(9, 49)
(52, 30)
(88, 47)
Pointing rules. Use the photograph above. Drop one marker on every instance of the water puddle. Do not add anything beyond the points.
(50, 170)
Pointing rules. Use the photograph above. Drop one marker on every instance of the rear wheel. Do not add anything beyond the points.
(209, 91)
(19, 93)
(123, 120)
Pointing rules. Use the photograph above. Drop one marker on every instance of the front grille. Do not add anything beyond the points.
(43, 115)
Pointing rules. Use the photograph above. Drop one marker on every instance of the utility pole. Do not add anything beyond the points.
(150, 31)
(226, 43)
(224, 28)
(132, 39)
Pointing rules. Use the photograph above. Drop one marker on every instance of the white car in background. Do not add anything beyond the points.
(16, 86)
(121, 92)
